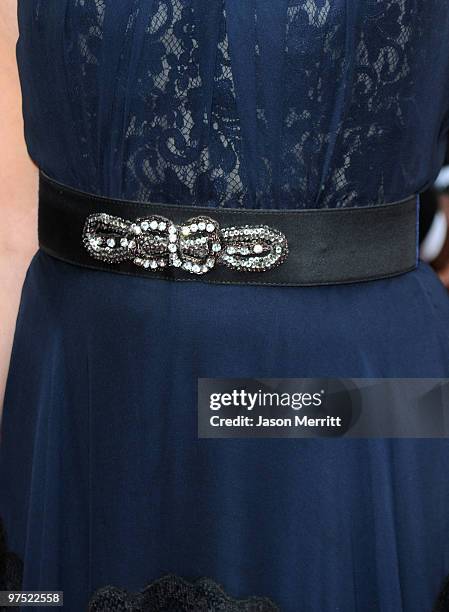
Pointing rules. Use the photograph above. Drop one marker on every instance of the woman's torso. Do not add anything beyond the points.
(242, 103)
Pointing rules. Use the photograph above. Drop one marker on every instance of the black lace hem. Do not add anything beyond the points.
(11, 567)
(174, 594)
(442, 603)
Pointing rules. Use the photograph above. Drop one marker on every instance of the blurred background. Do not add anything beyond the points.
(434, 225)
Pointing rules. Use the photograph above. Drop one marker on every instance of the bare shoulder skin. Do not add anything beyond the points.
(18, 189)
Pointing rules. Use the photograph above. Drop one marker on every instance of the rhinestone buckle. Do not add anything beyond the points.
(196, 246)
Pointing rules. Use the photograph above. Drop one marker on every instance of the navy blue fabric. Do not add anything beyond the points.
(238, 104)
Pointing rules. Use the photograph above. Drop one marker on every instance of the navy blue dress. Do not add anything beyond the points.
(226, 103)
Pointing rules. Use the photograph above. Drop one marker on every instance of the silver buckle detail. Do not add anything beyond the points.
(196, 246)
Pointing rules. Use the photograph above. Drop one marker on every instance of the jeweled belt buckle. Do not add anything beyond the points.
(196, 246)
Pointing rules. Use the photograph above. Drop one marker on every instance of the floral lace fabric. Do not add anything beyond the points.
(288, 104)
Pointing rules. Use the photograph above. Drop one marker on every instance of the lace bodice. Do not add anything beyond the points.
(253, 103)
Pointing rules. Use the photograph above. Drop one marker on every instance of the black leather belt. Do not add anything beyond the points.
(231, 246)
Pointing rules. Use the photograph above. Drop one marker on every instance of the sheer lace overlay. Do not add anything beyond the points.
(285, 104)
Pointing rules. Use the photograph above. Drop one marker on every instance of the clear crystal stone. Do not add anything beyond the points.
(154, 225)
(144, 225)
(124, 242)
(162, 226)
(110, 242)
(210, 227)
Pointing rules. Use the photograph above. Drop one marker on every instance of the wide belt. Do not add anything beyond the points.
(301, 247)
